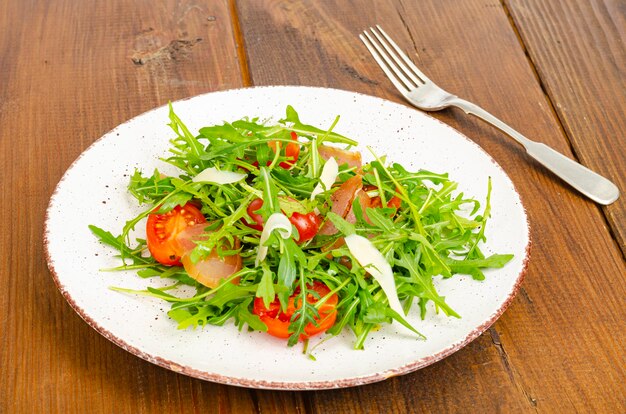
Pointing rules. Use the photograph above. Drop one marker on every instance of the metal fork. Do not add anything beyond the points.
(426, 95)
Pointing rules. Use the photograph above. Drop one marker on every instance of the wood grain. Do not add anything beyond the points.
(578, 49)
(70, 71)
(471, 49)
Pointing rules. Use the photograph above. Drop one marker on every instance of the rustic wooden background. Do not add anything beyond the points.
(556, 71)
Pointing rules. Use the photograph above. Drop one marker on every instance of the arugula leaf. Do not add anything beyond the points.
(229, 293)
(270, 194)
(187, 146)
(380, 220)
(376, 313)
(150, 189)
(300, 128)
(226, 131)
(472, 266)
(266, 286)
(342, 225)
(119, 244)
(287, 266)
(177, 199)
(409, 263)
(432, 233)
(302, 316)
(244, 316)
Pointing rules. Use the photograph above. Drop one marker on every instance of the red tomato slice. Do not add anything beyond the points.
(292, 151)
(162, 230)
(277, 322)
(306, 224)
(395, 202)
(257, 219)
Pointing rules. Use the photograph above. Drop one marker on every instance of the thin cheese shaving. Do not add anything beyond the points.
(213, 175)
(374, 262)
(327, 177)
(276, 221)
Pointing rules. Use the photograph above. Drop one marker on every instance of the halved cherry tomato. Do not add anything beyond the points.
(307, 224)
(292, 150)
(394, 202)
(162, 230)
(252, 211)
(277, 322)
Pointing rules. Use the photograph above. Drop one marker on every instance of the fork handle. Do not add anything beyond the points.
(588, 182)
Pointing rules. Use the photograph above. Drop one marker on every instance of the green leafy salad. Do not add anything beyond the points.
(281, 228)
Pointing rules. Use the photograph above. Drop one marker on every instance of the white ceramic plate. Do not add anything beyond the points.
(93, 191)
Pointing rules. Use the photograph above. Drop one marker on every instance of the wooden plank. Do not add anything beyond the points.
(577, 48)
(556, 346)
(69, 72)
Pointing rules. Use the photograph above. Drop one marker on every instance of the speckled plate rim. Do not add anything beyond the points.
(280, 385)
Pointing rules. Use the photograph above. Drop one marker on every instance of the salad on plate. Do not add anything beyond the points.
(281, 227)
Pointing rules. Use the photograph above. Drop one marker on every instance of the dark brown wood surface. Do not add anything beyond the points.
(578, 51)
(70, 71)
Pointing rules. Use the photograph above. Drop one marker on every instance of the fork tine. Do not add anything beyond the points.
(367, 40)
(399, 74)
(385, 42)
(404, 57)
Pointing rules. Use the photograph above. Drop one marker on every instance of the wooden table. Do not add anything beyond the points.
(555, 70)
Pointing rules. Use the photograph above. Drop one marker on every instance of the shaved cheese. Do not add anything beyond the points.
(276, 221)
(327, 177)
(374, 262)
(213, 175)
